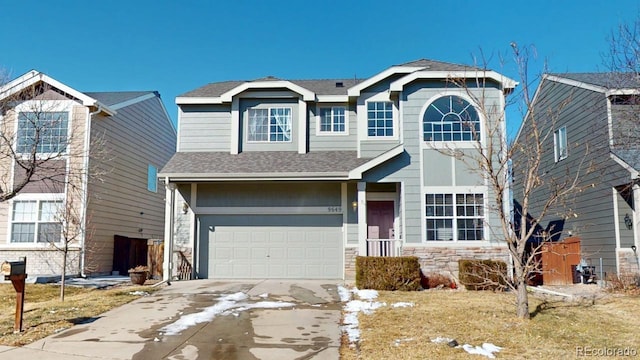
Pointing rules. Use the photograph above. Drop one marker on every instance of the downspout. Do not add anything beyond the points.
(85, 187)
(168, 229)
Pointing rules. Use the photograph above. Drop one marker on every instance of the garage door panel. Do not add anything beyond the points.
(279, 246)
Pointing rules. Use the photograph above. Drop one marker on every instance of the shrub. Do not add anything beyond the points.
(624, 283)
(435, 280)
(482, 274)
(388, 273)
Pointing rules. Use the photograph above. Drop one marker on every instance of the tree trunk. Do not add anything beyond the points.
(522, 299)
(64, 274)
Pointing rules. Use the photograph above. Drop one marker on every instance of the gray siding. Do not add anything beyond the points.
(585, 117)
(246, 104)
(332, 142)
(437, 168)
(205, 128)
(269, 194)
(119, 202)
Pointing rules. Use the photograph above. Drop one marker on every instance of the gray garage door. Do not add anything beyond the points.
(271, 246)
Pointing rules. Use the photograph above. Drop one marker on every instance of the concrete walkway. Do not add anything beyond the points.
(204, 319)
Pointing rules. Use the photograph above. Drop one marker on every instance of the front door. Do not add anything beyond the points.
(380, 220)
(380, 217)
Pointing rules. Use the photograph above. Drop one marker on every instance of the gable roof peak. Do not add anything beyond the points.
(436, 65)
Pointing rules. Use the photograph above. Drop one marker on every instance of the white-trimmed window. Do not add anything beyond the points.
(560, 143)
(451, 118)
(46, 131)
(380, 119)
(332, 120)
(152, 178)
(454, 217)
(36, 221)
(269, 125)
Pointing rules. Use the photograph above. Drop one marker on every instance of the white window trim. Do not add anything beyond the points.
(45, 106)
(319, 120)
(452, 144)
(27, 197)
(455, 190)
(269, 125)
(363, 133)
(556, 139)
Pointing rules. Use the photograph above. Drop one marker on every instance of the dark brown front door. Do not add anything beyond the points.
(380, 220)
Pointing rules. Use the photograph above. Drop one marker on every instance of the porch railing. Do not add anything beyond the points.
(384, 247)
(184, 266)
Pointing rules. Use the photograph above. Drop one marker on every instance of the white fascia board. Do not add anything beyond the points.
(332, 98)
(355, 91)
(575, 83)
(622, 92)
(34, 76)
(506, 82)
(356, 174)
(254, 177)
(634, 173)
(306, 94)
(183, 100)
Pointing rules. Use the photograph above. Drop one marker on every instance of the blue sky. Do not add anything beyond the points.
(176, 46)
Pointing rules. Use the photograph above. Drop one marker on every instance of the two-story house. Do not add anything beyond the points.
(282, 178)
(94, 191)
(591, 143)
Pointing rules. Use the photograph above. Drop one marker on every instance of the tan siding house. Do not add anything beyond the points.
(106, 176)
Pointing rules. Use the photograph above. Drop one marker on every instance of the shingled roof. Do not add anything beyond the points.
(608, 80)
(261, 163)
(116, 97)
(322, 86)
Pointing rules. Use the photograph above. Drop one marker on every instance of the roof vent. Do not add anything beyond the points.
(339, 84)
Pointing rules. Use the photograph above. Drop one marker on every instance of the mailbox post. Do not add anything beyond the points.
(16, 271)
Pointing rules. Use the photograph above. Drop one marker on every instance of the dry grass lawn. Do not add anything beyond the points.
(44, 314)
(475, 317)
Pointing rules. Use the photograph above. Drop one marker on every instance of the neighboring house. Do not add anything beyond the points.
(110, 146)
(295, 178)
(592, 124)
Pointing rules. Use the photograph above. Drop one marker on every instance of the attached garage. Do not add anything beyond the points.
(271, 246)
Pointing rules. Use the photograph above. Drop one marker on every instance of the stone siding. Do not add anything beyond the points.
(628, 262)
(444, 260)
(350, 255)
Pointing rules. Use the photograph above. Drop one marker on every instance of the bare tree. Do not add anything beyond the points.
(491, 158)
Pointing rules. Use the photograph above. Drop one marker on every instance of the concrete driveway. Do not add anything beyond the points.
(206, 319)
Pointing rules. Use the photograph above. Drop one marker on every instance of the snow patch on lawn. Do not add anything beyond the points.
(228, 304)
(402, 304)
(487, 349)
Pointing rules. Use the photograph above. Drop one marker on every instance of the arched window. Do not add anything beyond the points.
(451, 118)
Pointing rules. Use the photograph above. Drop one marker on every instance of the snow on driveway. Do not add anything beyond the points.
(226, 305)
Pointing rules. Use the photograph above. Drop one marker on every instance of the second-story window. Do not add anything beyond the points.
(332, 120)
(560, 143)
(44, 132)
(269, 125)
(451, 118)
(379, 118)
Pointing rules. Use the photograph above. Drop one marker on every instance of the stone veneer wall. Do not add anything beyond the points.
(350, 255)
(444, 260)
(628, 262)
(44, 261)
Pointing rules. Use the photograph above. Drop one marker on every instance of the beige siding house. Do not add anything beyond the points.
(99, 194)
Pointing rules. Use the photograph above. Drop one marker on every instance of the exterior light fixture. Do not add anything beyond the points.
(633, 247)
(185, 207)
(628, 222)
(354, 205)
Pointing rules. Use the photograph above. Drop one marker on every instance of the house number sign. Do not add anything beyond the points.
(334, 209)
